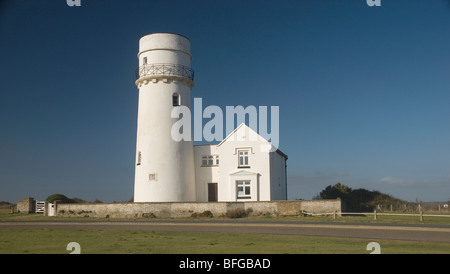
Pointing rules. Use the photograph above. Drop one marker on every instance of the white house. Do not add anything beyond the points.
(240, 168)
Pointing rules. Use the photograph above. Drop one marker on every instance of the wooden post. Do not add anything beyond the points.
(375, 214)
(55, 212)
(334, 215)
(421, 215)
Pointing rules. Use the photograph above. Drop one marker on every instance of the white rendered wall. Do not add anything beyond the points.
(278, 183)
(165, 48)
(171, 163)
(266, 171)
(205, 174)
(258, 172)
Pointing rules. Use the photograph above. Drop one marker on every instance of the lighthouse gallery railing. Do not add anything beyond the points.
(164, 69)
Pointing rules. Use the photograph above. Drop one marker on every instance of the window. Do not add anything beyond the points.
(243, 158)
(139, 158)
(210, 160)
(176, 99)
(145, 61)
(243, 189)
(152, 177)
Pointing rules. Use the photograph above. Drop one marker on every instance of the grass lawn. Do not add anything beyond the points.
(38, 241)
(171, 242)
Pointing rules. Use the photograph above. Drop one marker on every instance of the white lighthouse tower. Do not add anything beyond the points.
(164, 167)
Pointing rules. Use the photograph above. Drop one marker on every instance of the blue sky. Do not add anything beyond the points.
(364, 92)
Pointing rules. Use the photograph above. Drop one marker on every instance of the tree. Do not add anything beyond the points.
(337, 191)
(361, 200)
(60, 198)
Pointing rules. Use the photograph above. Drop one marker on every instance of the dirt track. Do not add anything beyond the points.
(433, 233)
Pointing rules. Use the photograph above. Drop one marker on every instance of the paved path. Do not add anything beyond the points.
(426, 232)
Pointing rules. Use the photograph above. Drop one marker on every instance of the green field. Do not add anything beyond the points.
(27, 241)
(170, 242)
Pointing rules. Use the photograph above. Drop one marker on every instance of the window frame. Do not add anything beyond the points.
(176, 102)
(246, 192)
(243, 160)
(139, 158)
(152, 177)
(210, 160)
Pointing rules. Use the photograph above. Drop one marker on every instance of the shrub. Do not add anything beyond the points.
(237, 213)
(148, 215)
(204, 214)
(207, 214)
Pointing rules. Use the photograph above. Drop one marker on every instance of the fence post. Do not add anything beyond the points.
(375, 214)
(421, 215)
(334, 215)
(55, 212)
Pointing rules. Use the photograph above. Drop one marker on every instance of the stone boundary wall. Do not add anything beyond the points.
(187, 209)
(28, 205)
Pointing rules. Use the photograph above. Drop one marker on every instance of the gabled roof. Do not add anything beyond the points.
(253, 132)
(234, 132)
